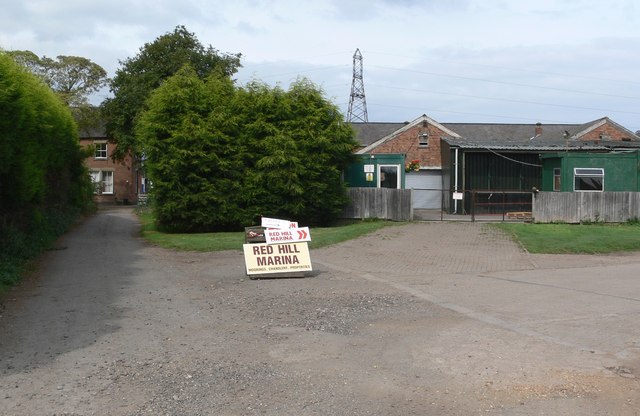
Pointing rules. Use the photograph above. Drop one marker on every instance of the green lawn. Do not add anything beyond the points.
(575, 238)
(320, 237)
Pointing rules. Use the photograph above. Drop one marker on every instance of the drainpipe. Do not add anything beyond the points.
(455, 184)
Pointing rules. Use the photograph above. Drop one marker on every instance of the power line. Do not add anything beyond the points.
(477, 79)
(506, 100)
(532, 71)
(504, 82)
(508, 158)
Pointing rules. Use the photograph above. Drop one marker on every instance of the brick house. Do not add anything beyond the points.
(418, 140)
(116, 182)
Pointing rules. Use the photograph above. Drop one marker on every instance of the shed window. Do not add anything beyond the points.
(557, 179)
(588, 179)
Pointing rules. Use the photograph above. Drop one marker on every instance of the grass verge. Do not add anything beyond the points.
(575, 238)
(320, 237)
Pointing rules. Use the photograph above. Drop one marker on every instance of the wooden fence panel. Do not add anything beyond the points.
(576, 207)
(383, 203)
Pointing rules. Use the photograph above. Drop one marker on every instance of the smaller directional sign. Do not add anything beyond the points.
(277, 223)
(292, 235)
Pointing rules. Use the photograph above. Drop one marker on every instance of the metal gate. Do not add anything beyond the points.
(477, 206)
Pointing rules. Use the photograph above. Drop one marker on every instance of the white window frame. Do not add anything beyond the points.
(399, 175)
(588, 173)
(101, 154)
(103, 181)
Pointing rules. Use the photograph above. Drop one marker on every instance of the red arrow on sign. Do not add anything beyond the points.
(302, 234)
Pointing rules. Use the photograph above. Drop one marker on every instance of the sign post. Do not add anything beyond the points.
(276, 249)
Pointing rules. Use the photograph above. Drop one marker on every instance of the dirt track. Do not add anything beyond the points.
(433, 318)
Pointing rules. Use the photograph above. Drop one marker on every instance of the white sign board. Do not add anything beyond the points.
(276, 258)
(369, 168)
(292, 235)
(277, 224)
(457, 196)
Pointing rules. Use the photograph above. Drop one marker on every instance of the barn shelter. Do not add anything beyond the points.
(496, 164)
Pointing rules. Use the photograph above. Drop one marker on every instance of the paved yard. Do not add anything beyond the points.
(426, 318)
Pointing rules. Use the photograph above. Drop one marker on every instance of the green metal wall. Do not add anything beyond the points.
(621, 170)
(355, 175)
(549, 163)
(504, 172)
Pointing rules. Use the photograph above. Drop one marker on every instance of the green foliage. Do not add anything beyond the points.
(140, 75)
(72, 78)
(298, 148)
(220, 157)
(189, 156)
(41, 164)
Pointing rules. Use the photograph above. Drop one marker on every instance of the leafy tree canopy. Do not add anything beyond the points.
(72, 78)
(139, 76)
(220, 156)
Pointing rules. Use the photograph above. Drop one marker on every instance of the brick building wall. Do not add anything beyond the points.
(410, 144)
(607, 131)
(116, 182)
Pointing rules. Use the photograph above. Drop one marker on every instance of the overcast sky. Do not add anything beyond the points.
(482, 61)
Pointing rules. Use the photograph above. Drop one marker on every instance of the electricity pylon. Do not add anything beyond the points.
(357, 101)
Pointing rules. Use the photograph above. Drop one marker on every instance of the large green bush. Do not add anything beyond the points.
(220, 156)
(42, 179)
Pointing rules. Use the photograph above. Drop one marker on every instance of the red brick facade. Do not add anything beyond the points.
(116, 182)
(607, 132)
(410, 143)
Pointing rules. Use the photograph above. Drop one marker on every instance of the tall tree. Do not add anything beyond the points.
(139, 76)
(72, 78)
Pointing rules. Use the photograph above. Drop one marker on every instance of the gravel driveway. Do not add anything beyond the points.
(419, 319)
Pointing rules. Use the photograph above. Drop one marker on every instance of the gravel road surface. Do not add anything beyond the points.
(419, 319)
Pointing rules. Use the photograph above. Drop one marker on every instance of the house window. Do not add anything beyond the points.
(588, 179)
(101, 150)
(389, 176)
(556, 179)
(102, 182)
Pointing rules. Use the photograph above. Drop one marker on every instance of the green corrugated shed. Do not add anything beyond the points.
(620, 170)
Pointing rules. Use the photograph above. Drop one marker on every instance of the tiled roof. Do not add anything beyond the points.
(508, 136)
(368, 133)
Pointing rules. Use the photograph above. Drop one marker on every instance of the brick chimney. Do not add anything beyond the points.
(538, 129)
